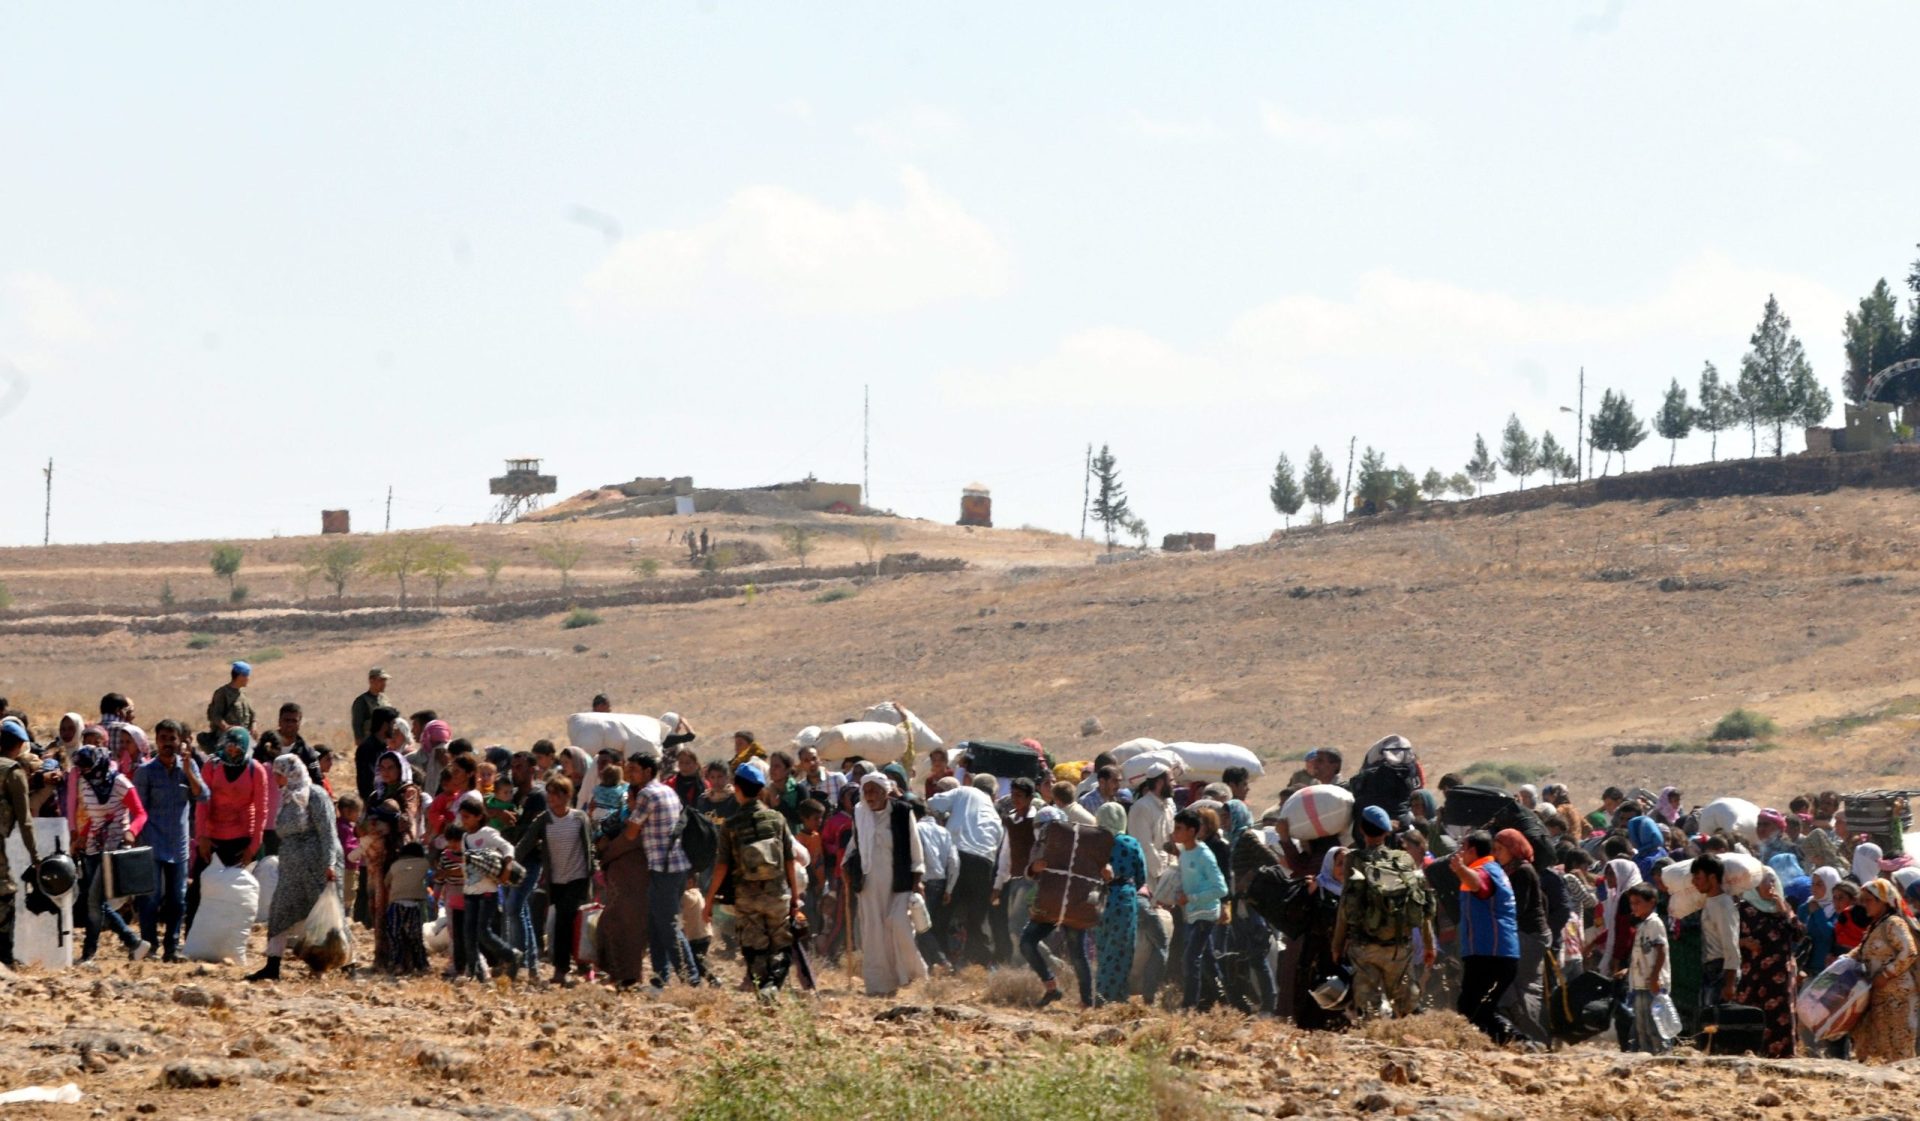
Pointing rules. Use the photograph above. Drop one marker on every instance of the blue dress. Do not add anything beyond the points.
(1120, 920)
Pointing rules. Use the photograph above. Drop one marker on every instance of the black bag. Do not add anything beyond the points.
(1004, 760)
(697, 837)
(1579, 1009)
(1731, 1029)
(131, 872)
(1281, 899)
(1388, 785)
(1493, 809)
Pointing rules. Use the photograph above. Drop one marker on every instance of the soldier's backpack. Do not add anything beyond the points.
(1388, 898)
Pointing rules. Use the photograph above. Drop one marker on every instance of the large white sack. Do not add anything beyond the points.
(1682, 899)
(266, 871)
(1318, 811)
(1732, 815)
(1135, 747)
(1135, 769)
(1207, 761)
(887, 712)
(229, 898)
(1742, 873)
(869, 739)
(623, 732)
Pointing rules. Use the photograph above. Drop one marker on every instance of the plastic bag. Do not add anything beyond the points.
(229, 897)
(322, 939)
(1831, 1004)
(439, 936)
(267, 871)
(917, 913)
(1666, 1017)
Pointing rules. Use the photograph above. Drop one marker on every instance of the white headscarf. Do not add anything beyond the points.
(1625, 875)
(1866, 862)
(867, 825)
(583, 788)
(1829, 878)
(293, 797)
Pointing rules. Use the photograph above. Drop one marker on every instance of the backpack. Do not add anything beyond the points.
(1281, 899)
(1389, 897)
(1388, 779)
(697, 837)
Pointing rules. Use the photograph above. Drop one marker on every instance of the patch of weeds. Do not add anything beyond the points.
(199, 641)
(580, 617)
(1840, 726)
(270, 654)
(1696, 747)
(1513, 774)
(1743, 724)
(835, 595)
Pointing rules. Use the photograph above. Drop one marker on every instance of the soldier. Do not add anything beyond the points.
(755, 862)
(229, 707)
(13, 815)
(1386, 901)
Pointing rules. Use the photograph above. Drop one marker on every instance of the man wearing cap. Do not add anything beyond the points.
(14, 743)
(753, 862)
(1373, 932)
(1322, 768)
(977, 837)
(229, 707)
(365, 703)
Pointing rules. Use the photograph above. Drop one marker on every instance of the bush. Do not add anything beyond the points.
(270, 654)
(730, 554)
(646, 568)
(1489, 772)
(199, 641)
(1741, 724)
(166, 594)
(580, 617)
(237, 594)
(835, 595)
(6, 598)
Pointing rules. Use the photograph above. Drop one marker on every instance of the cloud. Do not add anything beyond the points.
(1300, 128)
(915, 128)
(1197, 130)
(798, 255)
(1407, 337)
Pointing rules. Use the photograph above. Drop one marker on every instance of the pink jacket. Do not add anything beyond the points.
(233, 809)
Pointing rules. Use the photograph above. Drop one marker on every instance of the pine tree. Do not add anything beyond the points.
(1460, 484)
(1616, 428)
(1811, 401)
(1110, 507)
(1285, 491)
(1434, 485)
(1518, 453)
(1552, 457)
(1719, 408)
(1481, 468)
(1874, 339)
(1320, 484)
(1674, 421)
(1775, 380)
(1406, 488)
(1375, 487)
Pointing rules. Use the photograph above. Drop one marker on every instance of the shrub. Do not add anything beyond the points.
(166, 594)
(1488, 771)
(835, 595)
(199, 641)
(6, 598)
(580, 617)
(1740, 724)
(647, 567)
(270, 654)
(237, 594)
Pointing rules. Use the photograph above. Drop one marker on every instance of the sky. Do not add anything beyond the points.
(257, 261)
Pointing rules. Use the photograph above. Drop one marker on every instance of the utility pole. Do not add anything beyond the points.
(389, 528)
(866, 444)
(1086, 493)
(46, 527)
(1580, 433)
(1346, 492)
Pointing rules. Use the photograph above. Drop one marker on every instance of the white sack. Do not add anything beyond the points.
(229, 899)
(1318, 811)
(1135, 747)
(1736, 816)
(623, 732)
(870, 740)
(1135, 769)
(266, 871)
(1207, 761)
(889, 713)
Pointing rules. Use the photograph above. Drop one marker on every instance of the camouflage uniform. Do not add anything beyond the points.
(761, 908)
(230, 705)
(1382, 971)
(13, 812)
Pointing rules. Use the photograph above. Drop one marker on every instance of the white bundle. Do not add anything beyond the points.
(1318, 811)
(1734, 816)
(267, 871)
(1136, 768)
(616, 731)
(887, 712)
(871, 740)
(1206, 762)
(229, 899)
(1135, 747)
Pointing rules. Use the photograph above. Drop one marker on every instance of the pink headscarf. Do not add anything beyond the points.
(435, 733)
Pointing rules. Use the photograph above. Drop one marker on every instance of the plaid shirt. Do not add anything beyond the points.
(126, 744)
(659, 810)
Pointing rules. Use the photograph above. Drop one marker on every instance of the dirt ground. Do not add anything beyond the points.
(1535, 641)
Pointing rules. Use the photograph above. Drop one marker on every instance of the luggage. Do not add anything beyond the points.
(1493, 809)
(322, 940)
(1068, 891)
(1135, 768)
(887, 712)
(1885, 816)
(1735, 817)
(1740, 874)
(1002, 760)
(1682, 899)
(1388, 779)
(1579, 1009)
(229, 896)
(1318, 811)
(586, 932)
(1206, 762)
(131, 872)
(616, 731)
(1732, 1029)
(1282, 900)
(1135, 747)
(876, 742)
(1831, 1004)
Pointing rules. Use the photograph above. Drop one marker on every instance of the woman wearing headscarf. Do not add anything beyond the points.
(1885, 1032)
(1521, 1003)
(1251, 985)
(232, 822)
(1668, 808)
(107, 816)
(1866, 863)
(1768, 934)
(1649, 844)
(310, 858)
(1817, 915)
(892, 868)
(1612, 945)
(1120, 914)
(1316, 953)
(1795, 884)
(432, 758)
(577, 765)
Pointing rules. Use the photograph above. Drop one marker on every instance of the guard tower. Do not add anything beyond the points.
(520, 489)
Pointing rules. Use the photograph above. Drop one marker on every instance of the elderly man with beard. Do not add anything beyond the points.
(888, 865)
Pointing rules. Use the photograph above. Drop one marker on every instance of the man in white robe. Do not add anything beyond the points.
(882, 832)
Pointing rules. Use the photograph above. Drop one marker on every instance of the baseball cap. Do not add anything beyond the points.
(377, 672)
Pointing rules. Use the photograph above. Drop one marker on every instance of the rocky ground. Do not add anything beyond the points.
(192, 1041)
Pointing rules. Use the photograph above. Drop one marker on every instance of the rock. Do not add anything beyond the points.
(193, 996)
(447, 1062)
(211, 1074)
(1091, 726)
(1767, 1100)
(1376, 1103)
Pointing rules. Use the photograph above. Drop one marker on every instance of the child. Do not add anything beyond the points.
(376, 844)
(346, 819)
(1648, 975)
(484, 776)
(404, 919)
(812, 815)
(487, 855)
(1202, 889)
(449, 881)
(609, 798)
(561, 843)
(500, 811)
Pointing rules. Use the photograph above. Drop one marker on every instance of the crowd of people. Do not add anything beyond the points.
(548, 865)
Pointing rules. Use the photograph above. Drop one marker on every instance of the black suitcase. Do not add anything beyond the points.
(1581, 1008)
(1732, 1029)
(131, 872)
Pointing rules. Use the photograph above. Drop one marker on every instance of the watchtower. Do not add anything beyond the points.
(520, 489)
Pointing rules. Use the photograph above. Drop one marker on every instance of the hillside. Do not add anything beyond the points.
(1535, 640)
